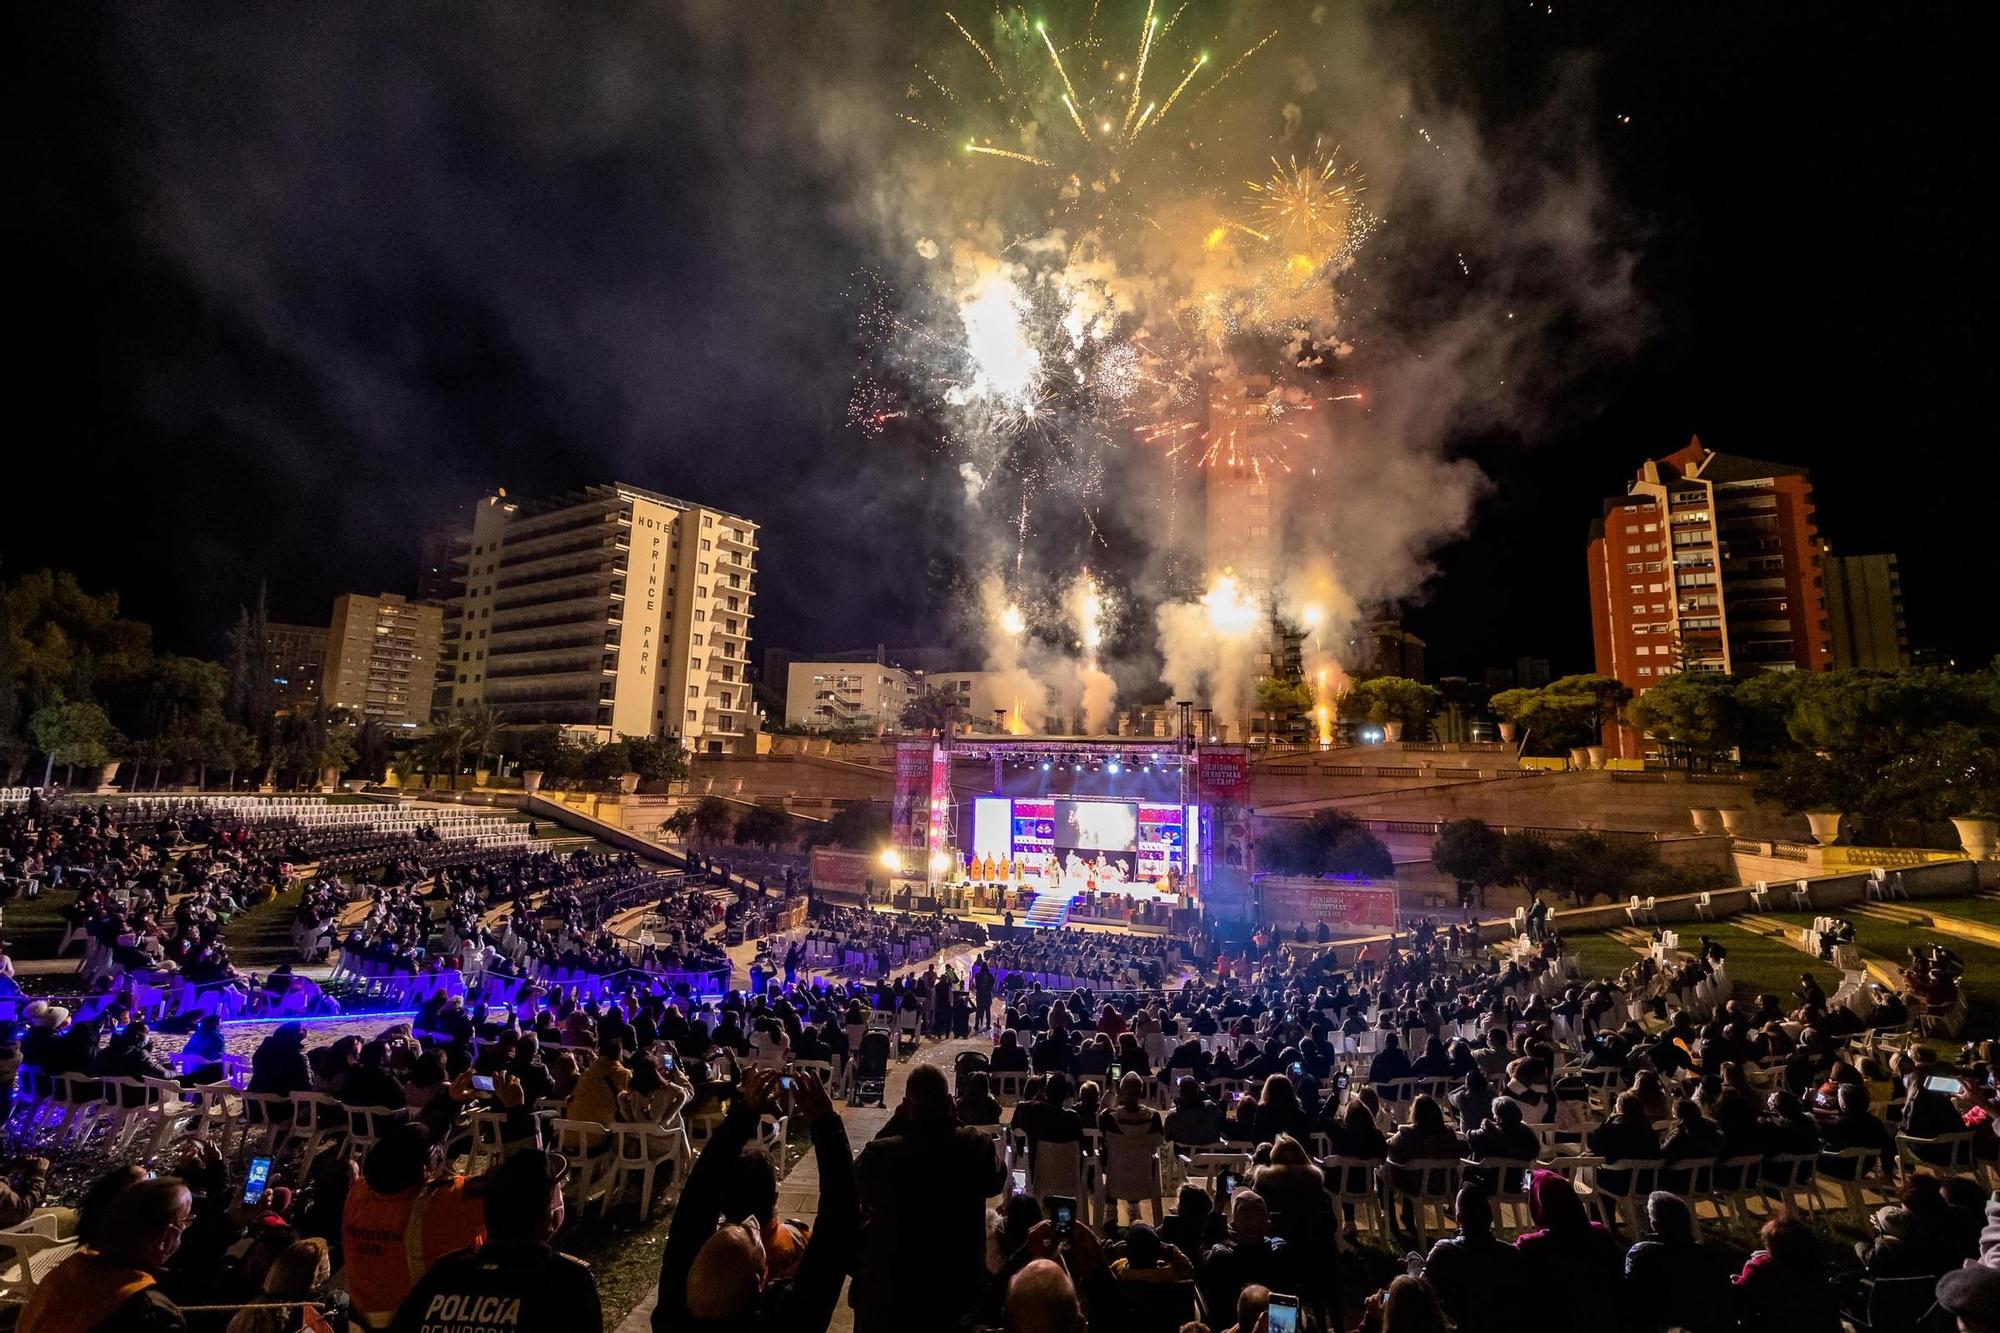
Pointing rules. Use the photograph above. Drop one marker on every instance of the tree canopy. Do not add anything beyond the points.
(1331, 842)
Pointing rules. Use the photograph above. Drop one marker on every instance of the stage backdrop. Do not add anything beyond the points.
(1344, 904)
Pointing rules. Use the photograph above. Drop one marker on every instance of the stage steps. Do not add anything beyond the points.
(1049, 910)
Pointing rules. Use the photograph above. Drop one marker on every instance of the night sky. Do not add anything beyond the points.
(291, 283)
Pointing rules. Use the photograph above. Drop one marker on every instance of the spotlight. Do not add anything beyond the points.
(1045, 765)
(1076, 768)
(1113, 768)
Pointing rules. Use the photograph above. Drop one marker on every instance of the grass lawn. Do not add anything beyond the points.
(32, 929)
(1599, 955)
(1759, 964)
(1983, 911)
(1890, 943)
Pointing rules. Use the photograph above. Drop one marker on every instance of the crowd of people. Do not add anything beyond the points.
(1102, 959)
(1340, 1084)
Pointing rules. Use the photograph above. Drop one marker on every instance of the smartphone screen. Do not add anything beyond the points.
(786, 1082)
(1225, 1183)
(254, 1183)
(1020, 1180)
(482, 1083)
(1527, 1180)
(1282, 1316)
(1298, 1069)
(667, 1063)
(1062, 1212)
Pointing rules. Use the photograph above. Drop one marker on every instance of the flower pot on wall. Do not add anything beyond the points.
(628, 783)
(1579, 758)
(1825, 826)
(531, 781)
(1706, 819)
(1596, 753)
(1392, 731)
(1507, 730)
(1734, 821)
(1978, 834)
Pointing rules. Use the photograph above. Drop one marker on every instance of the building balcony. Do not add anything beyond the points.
(576, 608)
(540, 672)
(563, 587)
(736, 539)
(544, 569)
(549, 638)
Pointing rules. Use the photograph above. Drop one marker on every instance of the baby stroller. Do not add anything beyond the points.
(966, 1063)
(871, 1071)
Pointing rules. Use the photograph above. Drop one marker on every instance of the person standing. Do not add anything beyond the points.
(982, 986)
(923, 1183)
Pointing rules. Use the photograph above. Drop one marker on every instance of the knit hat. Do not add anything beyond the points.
(1973, 1294)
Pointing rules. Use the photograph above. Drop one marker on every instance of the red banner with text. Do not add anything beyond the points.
(1286, 901)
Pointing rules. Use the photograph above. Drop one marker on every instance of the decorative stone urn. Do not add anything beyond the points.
(1392, 731)
(1579, 758)
(531, 781)
(108, 774)
(1734, 820)
(1978, 834)
(628, 783)
(481, 776)
(1825, 826)
(1596, 753)
(1706, 819)
(329, 778)
(1507, 730)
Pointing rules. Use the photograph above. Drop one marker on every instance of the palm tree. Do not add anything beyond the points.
(444, 749)
(480, 725)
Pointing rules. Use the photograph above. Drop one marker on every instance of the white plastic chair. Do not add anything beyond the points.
(589, 1165)
(28, 1253)
(638, 1152)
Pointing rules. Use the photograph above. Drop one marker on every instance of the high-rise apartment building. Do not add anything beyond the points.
(1244, 503)
(612, 610)
(1709, 562)
(382, 656)
(1864, 611)
(1243, 514)
(298, 659)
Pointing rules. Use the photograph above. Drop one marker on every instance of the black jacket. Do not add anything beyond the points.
(923, 1192)
(501, 1286)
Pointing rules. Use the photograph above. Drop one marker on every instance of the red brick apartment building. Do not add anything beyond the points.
(1708, 562)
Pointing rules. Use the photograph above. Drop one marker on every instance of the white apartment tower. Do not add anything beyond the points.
(611, 610)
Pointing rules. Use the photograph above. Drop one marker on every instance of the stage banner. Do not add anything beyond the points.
(938, 828)
(841, 872)
(1286, 900)
(913, 766)
(1222, 774)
